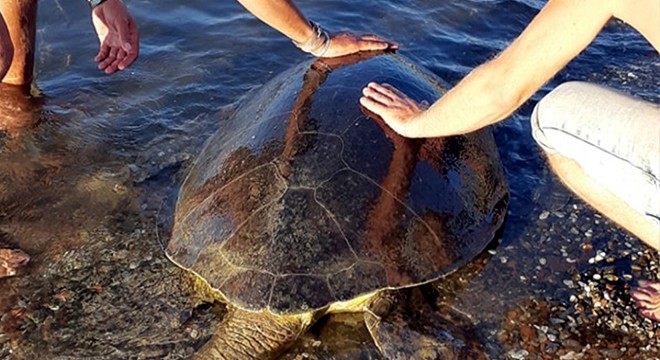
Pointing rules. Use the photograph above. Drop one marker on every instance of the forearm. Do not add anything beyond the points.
(281, 15)
(19, 20)
(473, 103)
(496, 89)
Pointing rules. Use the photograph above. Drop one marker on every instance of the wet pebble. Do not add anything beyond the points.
(518, 354)
(568, 356)
(571, 344)
(551, 348)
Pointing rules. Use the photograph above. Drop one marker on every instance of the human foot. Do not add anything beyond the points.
(10, 260)
(647, 298)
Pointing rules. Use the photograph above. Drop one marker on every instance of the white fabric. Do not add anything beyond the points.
(614, 137)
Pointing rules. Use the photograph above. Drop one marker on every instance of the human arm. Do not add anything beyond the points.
(491, 92)
(118, 36)
(285, 17)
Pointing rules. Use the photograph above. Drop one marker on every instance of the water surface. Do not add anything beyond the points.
(88, 188)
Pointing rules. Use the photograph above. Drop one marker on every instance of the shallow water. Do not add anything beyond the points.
(85, 188)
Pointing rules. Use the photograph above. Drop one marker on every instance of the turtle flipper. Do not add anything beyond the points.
(405, 325)
(244, 335)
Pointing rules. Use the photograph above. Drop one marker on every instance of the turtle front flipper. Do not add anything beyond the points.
(404, 325)
(245, 335)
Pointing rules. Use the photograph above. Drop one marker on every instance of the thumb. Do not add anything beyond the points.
(124, 35)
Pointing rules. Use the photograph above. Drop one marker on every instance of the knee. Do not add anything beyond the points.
(559, 117)
(549, 114)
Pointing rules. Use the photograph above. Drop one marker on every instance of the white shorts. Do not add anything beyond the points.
(614, 137)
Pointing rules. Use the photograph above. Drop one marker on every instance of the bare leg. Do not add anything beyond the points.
(6, 47)
(19, 107)
(647, 295)
(19, 19)
(603, 145)
(604, 201)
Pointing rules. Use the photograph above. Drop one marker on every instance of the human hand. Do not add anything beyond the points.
(118, 36)
(346, 43)
(395, 108)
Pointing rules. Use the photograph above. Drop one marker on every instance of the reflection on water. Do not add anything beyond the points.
(88, 181)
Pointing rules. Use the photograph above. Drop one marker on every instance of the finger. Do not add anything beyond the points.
(104, 50)
(113, 52)
(370, 37)
(382, 98)
(649, 285)
(648, 307)
(369, 45)
(124, 34)
(121, 60)
(106, 62)
(121, 55)
(395, 91)
(653, 315)
(642, 296)
(127, 61)
(373, 105)
(112, 67)
(134, 51)
(388, 90)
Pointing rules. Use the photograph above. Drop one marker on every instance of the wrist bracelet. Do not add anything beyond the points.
(317, 44)
(95, 3)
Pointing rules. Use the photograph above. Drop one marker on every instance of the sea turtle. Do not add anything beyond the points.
(301, 205)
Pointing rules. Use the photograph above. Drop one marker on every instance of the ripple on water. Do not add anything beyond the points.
(83, 186)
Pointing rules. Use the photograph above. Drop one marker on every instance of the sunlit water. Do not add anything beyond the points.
(101, 137)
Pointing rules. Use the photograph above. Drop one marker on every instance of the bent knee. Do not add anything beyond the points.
(579, 116)
(566, 115)
(612, 136)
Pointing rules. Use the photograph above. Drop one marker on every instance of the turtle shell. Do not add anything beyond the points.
(301, 200)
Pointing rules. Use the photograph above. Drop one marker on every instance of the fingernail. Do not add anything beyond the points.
(127, 47)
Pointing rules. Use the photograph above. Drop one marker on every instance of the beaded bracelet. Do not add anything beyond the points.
(95, 3)
(317, 44)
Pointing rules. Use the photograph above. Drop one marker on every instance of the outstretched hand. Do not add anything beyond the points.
(346, 43)
(395, 108)
(118, 36)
